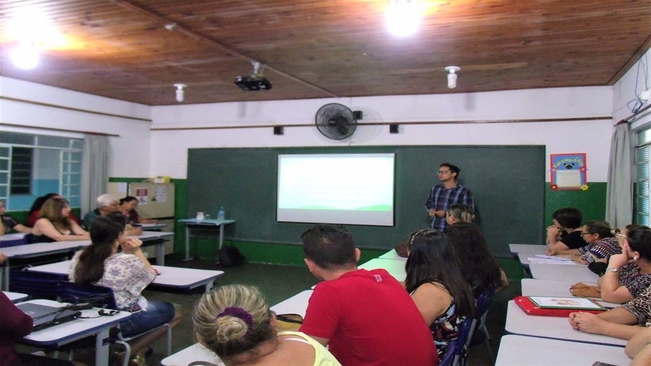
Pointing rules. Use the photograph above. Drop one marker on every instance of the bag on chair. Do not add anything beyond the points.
(230, 256)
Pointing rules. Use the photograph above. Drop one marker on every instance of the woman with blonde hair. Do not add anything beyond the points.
(235, 323)
(55, 224)
(459, 213)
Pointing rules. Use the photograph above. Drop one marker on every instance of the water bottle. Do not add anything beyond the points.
(221, 215)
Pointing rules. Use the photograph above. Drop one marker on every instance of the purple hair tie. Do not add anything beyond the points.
(238, 313)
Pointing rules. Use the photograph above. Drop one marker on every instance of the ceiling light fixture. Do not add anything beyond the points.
(452, 76)
(24, 56)
(403, 17)
(180, 92)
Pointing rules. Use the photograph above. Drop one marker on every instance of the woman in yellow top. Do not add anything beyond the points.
(235, 323)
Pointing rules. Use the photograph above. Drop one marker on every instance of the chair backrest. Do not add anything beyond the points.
(40, 285)
(483, 302)
(98, 296)
(449, 356)
(465, 332)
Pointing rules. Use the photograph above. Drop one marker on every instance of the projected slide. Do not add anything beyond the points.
(336, 188)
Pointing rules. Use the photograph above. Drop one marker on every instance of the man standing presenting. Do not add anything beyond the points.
(365, 317)
(446, 193)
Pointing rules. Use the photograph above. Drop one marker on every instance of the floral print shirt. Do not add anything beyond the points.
(126, 275)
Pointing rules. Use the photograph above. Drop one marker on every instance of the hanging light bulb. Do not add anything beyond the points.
(24, 55)
(452, 76)
(403, 17)
(180, 92)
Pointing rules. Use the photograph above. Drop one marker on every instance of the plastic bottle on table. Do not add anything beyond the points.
(221, 215)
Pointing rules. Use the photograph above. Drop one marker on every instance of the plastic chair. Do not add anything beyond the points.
(461, 343)
(39, 285)
(100, 296)
(483, 303)
(449, 356)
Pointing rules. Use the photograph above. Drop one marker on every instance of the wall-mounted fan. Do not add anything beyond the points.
(335, 121)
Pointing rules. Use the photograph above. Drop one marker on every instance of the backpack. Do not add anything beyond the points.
(230, 256)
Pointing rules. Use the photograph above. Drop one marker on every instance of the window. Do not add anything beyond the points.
(34, 165)
(21, 170)
(642, 151)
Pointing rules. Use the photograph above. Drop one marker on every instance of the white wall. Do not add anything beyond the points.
(169, 148)
(130, 151)
(624, 92)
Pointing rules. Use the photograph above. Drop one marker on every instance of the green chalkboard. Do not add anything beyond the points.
(507, 182)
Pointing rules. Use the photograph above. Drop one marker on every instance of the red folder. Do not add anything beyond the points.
(531, 308)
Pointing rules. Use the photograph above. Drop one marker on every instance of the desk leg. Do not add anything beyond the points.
(160, 253)
(209, 285)
(187, 244)
(101, 348)
(221, 236)
(5, 276)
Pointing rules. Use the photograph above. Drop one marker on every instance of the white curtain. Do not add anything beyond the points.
(619, 196)
(95, 168)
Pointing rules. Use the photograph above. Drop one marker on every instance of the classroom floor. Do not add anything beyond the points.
(281, 282)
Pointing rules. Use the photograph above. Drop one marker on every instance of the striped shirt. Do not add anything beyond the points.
(440, 198)
(602, 249)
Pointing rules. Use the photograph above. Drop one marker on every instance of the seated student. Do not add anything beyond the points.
(234, 321)
(639, 348)
(128, 207)
(365, 317)
(601, 240)
(35, 210)
(15, 324)
(127, 273)
(566, 231)
(7, 223)
(437, 286)
(628, 273)
(106, 205)
(622, 322)
(55, 224)
(479, 267)
(459, 213)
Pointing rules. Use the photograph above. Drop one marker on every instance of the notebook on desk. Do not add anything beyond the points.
(45, 316)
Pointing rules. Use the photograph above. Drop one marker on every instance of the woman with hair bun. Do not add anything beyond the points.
(235, 323)
(459, 213)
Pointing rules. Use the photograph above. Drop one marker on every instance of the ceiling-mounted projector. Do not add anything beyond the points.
(254, 82)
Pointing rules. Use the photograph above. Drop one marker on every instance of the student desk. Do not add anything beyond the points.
(36, 250)
(529, 351)
(69, 332)
(9, 240)
(196, 352)
(204, 224)
(150, 227)
(42, 249)
(518, 322)
(15, 296)
(170, 277)
(392, 255)
(296, 304)
(527, 258)
(578, 273)
(534, 287)
(148, 236)
(394, 267)
(527, 248)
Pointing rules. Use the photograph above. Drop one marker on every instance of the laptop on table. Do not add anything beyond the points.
(46, 316)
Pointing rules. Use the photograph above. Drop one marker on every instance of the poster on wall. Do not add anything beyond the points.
(141, 195)
(569, 171)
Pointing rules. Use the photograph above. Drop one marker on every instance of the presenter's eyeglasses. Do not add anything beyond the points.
(443, 172)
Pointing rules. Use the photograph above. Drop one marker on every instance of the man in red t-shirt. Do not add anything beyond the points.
(366, 317)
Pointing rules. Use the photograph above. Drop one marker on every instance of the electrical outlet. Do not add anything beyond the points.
(645, 95)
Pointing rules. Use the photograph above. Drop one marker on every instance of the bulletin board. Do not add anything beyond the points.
(569, 171)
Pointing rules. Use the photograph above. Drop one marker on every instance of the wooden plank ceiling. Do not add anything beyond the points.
(318, 48)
